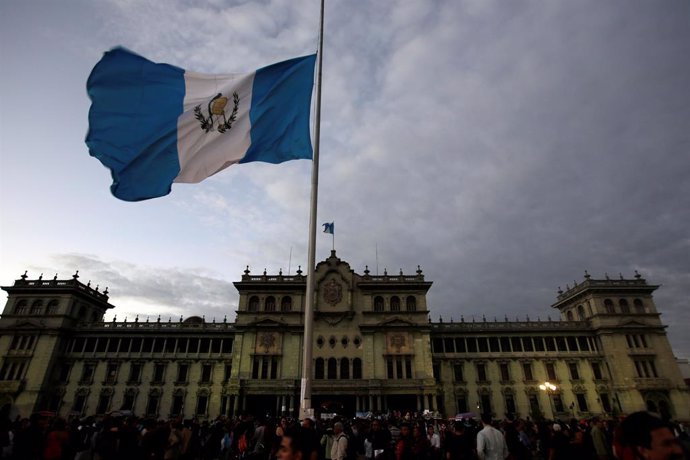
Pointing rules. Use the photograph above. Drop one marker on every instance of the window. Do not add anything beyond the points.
(79, 402)
(158, 372)
(128, 400)
(286, 304)
(228, 372)
(152, 404)
(332, 368)
(574, 372)
(608, 306)
(596, 371)
(206, 373)
(253, 304)
(580, 313)
(457, 372)
(37, 307)
(399, 369)
(378, 303)
(395, 303)
(436, 369)
(645, 368)
(111, 373)
(582, 402)
(481, 372)
(486, 404)
(52, 307)
(177, 404)
(605, 402)
(623, 304)
(408, 368)
(462, 404)
(389, 369)
(356, 368)
(63, 373)
(558, 403)
(318, 368)
(13, 369)
(639, 306)
(569, 315)
(527, 369)
(344, 368)
(182, 370)
(534, 405)
(270, 305)
(505, 372)
(551, 371)
(21, 307)
(103, 403)
(201, 404)
(411, 303)
(87, 373)
(510, 404)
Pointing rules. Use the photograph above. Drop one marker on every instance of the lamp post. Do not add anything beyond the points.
(549, 388)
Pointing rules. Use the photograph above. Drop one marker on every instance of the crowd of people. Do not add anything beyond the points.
(382, 437)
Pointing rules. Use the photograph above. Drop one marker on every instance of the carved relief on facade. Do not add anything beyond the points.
(398, 343)
(268, 343)
(332, 292)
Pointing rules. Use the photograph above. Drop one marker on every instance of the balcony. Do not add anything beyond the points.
(652, 383)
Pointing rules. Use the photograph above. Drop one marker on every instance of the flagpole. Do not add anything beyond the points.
(306, 409)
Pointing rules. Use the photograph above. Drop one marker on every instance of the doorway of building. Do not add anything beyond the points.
(261, 405)
(335, 404)
(402, 403)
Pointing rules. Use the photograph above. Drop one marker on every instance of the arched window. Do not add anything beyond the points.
(378, 303)
(580, 313)
(286, 303)
(332, 368)
(356, 368)
(36, 307)
(82, 313)
(639, 306)
(395, 303)
(608, 305)
(318, 368)
(52, 307)
(20, 308)
(623, 304)
(270, 304)
(569, 315)
(344, 368)
(94, 316)
(411, 303)
(253, 304)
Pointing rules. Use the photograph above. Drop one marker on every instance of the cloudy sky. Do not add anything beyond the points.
(504, 146)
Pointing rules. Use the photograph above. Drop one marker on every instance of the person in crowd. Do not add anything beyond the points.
(380, 439)
(600, 443)
(459, 445)
(491, 445)
(434, 442)
(295, 444)
(420, 443)
(339, 448)
(645, 436)
(403, 447)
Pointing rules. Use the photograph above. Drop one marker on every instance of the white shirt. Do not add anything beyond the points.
(491, 445)
(339, 448)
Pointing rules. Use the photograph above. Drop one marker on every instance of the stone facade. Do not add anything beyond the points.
(375, 349)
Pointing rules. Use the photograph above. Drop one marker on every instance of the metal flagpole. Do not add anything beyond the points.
(306, 409)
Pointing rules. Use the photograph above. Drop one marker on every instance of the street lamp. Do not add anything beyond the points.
(549, 388)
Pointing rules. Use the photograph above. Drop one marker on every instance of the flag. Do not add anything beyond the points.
(329, 227)
(154, 124)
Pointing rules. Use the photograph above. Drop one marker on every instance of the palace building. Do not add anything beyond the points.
(375, 348)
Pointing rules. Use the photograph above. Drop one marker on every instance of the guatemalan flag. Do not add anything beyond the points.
(154, 124)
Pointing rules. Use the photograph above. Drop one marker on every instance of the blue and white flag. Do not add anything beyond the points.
(329, 227)
(155, 124)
